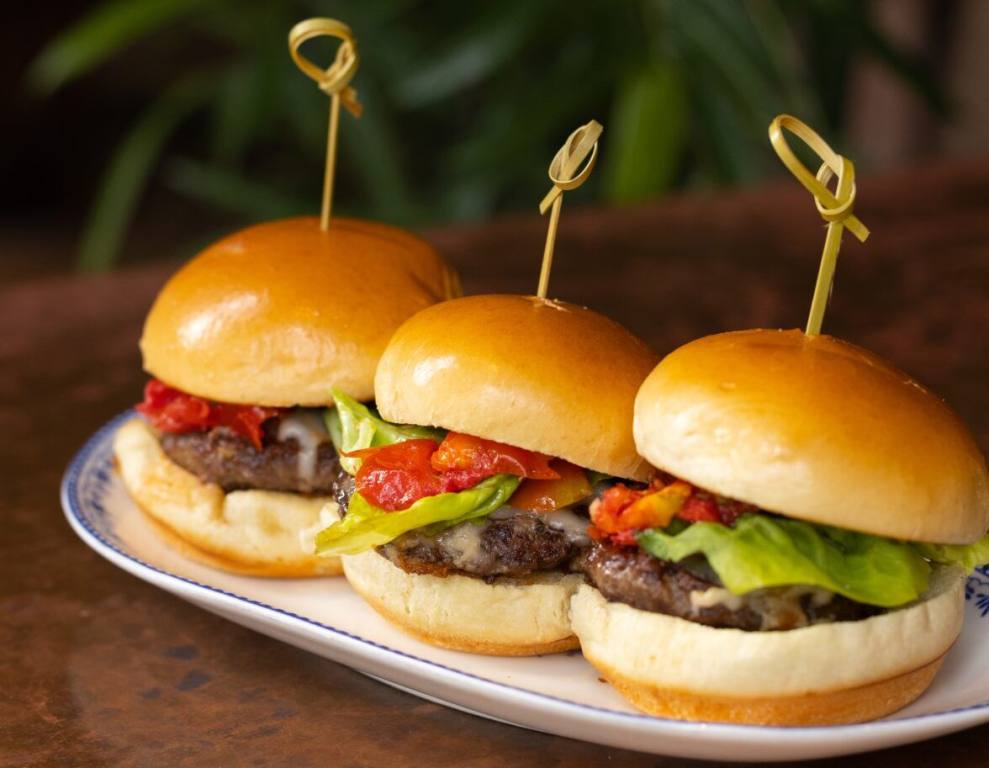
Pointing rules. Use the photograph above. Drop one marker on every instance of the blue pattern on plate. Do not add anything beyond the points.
(977, 589)
(93, 485)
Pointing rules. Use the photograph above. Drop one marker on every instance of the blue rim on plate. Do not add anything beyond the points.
(82, 478)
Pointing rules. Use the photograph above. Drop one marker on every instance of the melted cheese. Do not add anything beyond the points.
(573, 525)
(308, 431)
(463, 543)
(778, 607)
(709, 598)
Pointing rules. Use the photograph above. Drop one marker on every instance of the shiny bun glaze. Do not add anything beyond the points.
(816, 429)
(278, 313)
(542, 375)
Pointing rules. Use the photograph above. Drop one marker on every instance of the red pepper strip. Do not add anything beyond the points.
(622, 511)
(700, 509)
(705, 507)
(622, 508)
(460, 451)
(393, 477)
(606, 511)
(171, 410)
(621, 538)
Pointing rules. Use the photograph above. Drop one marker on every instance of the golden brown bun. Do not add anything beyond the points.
(849, 705)
(259, 533)
(220, 563)
(816, 429)
(278, 313)
(825, 674)
(538, 374)
(506, 618)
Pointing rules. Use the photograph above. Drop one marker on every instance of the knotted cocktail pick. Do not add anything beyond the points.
(581, 145)
(333, 81)
(835, 207)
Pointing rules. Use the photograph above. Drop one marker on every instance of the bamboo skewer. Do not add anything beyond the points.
(333, 81)
(581, 145)
(835, 207)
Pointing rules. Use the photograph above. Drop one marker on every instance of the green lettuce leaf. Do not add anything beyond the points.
(764, 551)
(353, 425)
(365, 526)
(967, 556)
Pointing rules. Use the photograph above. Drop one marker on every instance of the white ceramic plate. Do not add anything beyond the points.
(557, 694)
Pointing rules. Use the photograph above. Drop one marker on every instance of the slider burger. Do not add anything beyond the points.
(800, 556)
(464, 497)
(231, 459)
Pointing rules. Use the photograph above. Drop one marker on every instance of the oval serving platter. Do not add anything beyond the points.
(558, 694)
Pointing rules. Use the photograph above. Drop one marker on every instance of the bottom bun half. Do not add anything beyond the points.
(256, 533)
(509, 617)
(826, 674)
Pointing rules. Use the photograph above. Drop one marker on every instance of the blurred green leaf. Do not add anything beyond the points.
(99, 35)
(492, 39)
(129, 169)
(243, 108)
(717, 36)
(372, 146)
(466, 104)
(232, 191)
(718, 144)
(782, 49)
(306, 111)
(648, 126)
(506, 161)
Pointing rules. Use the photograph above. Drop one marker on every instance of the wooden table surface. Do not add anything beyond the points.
(100, 669)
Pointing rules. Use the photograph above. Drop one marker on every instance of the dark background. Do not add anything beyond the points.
(143, 128)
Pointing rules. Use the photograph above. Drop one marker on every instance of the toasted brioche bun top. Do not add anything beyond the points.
(541, 375)
(817, 429)
(278, 313)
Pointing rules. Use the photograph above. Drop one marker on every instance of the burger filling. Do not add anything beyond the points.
(441, 503)
(673, 548)
(509, 542)
(692, 591)
(243, 447)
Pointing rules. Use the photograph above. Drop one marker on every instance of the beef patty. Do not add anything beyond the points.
(232, 462)
(509, 542)
(634, 577)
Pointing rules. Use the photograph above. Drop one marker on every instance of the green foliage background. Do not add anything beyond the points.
(465, 103)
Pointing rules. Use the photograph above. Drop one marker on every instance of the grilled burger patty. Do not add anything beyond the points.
(509, 542)
(691, 591)
(232, 462)
(515, 543)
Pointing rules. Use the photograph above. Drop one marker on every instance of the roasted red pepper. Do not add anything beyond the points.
(393, 477)
(465, 452)
(172, 410)
(622, 511)
(621, 538)
(621, 508)
(706, 507)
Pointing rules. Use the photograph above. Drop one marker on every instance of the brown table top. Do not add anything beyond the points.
(95, 666)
